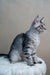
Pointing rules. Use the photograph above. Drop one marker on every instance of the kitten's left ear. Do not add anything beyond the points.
(36, 19)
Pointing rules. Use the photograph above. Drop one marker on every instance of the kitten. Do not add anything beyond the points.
(25, 45)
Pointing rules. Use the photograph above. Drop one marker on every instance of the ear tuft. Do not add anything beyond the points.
(36, 19)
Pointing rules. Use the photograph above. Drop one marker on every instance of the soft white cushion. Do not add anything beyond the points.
(21, 68)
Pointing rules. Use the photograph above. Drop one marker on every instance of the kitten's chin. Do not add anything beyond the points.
(42, 32)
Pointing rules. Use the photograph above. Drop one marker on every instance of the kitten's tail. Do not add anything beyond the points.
(4, 55)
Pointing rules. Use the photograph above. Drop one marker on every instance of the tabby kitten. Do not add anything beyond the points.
(25, 45)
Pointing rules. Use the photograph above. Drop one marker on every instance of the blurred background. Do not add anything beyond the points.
(16, 17)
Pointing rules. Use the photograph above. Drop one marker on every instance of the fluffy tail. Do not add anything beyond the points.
(4, 55)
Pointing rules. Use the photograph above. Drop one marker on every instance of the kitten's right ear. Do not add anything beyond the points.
(42, 19)
(36, 20)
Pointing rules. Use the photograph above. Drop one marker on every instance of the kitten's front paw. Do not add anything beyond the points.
(40, 62)
(31, 64)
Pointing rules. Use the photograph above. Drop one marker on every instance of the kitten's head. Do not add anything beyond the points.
(38, 25)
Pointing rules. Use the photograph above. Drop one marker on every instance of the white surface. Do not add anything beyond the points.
(21, 68)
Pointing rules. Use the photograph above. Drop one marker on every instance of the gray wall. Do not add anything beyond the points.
(16, 16)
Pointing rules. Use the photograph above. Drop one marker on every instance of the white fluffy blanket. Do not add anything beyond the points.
(21, 68)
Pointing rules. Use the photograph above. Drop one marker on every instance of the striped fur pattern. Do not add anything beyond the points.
(25, 45)
(30, 45)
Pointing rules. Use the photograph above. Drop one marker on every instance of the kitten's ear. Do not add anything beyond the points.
(42, 19)
(36, 19)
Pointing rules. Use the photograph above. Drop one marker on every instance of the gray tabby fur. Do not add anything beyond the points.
(25, 45)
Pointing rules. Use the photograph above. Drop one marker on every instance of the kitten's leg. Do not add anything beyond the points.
(27, 55)
(28, 59)
(35, 59)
